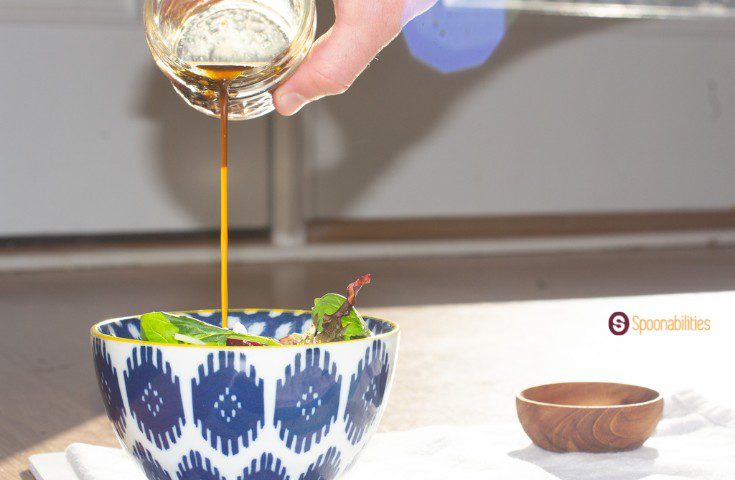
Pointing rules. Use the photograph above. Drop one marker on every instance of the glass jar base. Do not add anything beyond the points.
(239, 108)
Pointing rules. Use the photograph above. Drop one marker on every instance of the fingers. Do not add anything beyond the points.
(361, 30)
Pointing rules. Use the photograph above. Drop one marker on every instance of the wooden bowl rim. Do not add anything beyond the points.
(522, 398)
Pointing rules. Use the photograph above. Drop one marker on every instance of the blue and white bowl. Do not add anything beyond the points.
(241, 413)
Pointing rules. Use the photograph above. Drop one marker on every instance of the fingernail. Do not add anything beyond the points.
(290, 103)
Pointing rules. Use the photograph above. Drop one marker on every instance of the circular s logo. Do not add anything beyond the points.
(618, 323)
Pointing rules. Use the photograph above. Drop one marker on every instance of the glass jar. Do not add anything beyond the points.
(197, 43)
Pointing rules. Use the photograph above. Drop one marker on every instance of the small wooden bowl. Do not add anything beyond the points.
(589, 416)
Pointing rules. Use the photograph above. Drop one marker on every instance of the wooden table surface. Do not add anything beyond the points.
(458, 364)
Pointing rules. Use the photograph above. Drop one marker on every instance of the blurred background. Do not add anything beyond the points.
(527, 150)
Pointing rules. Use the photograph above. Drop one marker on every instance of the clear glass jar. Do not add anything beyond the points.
(192, 41)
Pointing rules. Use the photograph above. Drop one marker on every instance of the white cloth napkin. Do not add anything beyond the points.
(695, 439)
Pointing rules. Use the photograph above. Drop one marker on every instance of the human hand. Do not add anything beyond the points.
(362, 28)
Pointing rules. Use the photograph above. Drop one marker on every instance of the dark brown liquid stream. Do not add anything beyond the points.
(224, 74)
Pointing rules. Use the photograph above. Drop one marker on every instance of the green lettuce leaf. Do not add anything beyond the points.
(155, 327)
(326, 305)
(161, 327)
(335, 317)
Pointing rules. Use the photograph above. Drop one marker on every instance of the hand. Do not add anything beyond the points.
(362, 29)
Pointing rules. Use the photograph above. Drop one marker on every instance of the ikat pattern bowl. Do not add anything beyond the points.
(244, 413)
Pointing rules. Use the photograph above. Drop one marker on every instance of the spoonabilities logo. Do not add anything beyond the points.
(618, 323)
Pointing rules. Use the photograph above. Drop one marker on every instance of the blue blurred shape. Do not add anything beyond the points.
(453, 38)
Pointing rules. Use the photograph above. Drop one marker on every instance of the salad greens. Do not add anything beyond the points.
(334, 318)
(166, 328)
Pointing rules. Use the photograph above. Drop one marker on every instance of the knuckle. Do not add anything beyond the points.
(331, 79)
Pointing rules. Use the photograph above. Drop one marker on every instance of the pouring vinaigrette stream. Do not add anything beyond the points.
(224, 43)
(224, 58)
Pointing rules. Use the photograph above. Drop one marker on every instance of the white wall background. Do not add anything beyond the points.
(94, 140)
(569, 115)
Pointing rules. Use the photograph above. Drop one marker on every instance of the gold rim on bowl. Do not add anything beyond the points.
(95, 332)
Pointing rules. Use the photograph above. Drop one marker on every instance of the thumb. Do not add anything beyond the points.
(361, 30)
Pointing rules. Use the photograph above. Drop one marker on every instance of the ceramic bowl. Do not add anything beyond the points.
(240, 413)
(589, 416)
